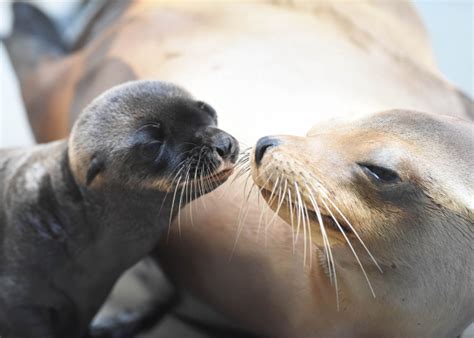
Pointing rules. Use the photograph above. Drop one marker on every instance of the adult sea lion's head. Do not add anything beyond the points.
(389, 200)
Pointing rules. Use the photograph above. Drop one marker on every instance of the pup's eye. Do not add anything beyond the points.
(203, 106)
(150, 149)
(149, 138)
(207, 108)
(380, 174)
(150, 132)
(153, 131)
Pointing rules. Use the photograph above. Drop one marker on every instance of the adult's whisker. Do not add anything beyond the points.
(300, 210)
(327, 248)
(310, 240)
(290, 206)
(280, 202)
(241, 222)
(355, 232)
(350, 246)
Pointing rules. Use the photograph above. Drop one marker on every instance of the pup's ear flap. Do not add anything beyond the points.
(96, 166)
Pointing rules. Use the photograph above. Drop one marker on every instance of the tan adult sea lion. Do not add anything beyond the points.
(388, 200)
(282, 66)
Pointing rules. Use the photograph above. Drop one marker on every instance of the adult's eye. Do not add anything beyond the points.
(151, 149)
(380, 174)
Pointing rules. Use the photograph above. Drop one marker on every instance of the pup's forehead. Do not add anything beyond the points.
(137, 96)
(147, 88)
(136, 102)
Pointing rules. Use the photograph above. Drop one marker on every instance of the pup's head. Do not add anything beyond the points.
(150, 135)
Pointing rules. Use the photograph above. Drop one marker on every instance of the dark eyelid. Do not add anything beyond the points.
(152, 131)
(151, 125)
(380, 174)
(207, 108)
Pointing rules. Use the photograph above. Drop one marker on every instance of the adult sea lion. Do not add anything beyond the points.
(77, 213)
(270, 67)
(387, 199)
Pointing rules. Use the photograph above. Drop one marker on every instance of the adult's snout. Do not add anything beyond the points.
(264, 144)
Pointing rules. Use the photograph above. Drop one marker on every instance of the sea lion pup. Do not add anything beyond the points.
(388, 193)
(77, 213)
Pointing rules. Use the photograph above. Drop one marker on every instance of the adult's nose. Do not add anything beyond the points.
(263, 145)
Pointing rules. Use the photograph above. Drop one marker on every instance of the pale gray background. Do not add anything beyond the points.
(450, 25)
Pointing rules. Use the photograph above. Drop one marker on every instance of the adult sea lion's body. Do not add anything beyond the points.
(269, 69)
(75, 214)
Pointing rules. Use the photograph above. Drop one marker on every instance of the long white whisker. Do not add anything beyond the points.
(327, 248)
(291, 219)
(172, 206)
(350, 246)
(355, 232)
(299, 204)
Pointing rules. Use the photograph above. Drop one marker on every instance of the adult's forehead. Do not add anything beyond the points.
(442, 147)
(446, 145)
(451, 134)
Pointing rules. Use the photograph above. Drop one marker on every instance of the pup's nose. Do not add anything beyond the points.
(226, 146)
(263, 145)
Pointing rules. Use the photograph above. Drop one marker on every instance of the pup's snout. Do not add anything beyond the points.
(226, 146)
(262, 146)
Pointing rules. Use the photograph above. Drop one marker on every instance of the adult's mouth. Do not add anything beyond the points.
(326, 220)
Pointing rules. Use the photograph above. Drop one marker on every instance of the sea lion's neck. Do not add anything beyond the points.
(125, 222)
(109, 230)
(113, 218)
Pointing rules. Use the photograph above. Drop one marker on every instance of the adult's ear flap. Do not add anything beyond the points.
(95, 167)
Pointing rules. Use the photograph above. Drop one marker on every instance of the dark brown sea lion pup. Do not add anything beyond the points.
(75, 214)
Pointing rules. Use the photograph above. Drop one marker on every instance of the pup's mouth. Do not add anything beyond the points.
(219, 176)
(329, 222)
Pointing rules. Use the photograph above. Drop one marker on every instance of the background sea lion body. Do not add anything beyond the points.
(269, 69)
(77, 213)
(325, 54)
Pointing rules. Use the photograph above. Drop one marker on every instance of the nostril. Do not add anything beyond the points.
(225, 147)
(221, 151)
(262, 146)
